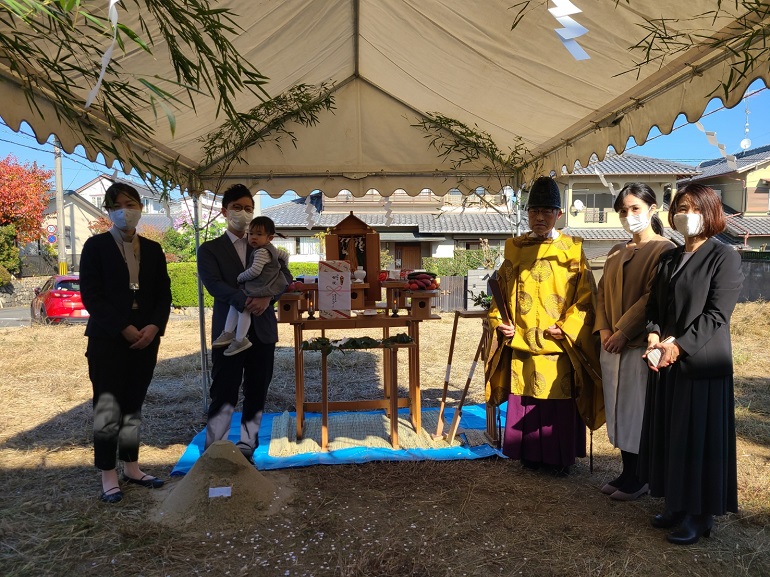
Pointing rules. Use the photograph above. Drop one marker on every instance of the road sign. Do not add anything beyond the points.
(52, 238)
(51, 228)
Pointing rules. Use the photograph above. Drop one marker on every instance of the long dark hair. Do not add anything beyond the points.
(644, 193)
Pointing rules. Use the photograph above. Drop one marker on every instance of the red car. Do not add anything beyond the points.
(58, 301)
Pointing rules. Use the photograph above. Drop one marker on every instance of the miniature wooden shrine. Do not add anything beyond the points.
(358, 243)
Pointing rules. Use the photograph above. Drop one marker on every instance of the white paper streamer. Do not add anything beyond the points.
(388, 205)
(309, 212)
(712, 138)
(613, 192)
(112, 12)
(571, 29)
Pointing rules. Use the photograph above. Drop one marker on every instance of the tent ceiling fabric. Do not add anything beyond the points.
(393, 61)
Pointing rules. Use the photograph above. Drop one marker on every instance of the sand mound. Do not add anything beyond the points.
(222, 469)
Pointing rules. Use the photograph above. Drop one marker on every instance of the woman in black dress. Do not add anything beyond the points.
(687, 451)
(126, 289)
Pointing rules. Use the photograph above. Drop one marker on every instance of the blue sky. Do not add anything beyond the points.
(685, 144)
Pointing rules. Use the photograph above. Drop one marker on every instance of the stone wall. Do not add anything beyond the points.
(756, 284)
(21, 291)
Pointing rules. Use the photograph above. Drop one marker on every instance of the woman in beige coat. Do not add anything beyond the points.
(620, 320)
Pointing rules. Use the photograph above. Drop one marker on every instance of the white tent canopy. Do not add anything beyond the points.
(392, 62)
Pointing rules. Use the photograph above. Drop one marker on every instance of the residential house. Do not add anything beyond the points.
(429, 225)
(79, 214)
(157, 213)
(588, 201)
(420, 226)
(745, 192)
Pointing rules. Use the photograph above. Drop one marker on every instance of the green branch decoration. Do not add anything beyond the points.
(461, 145)
(53, 50)
(266, 122)
(353, 343)
(481, 299)
(747, 39)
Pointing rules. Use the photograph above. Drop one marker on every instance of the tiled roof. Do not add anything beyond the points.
(712, 168)
(292, 215)
(740, 225)
(634, 164)
(616, 234)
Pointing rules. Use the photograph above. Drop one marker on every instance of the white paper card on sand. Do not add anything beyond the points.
(220, 492)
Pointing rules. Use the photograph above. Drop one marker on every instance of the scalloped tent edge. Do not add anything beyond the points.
(395, 63)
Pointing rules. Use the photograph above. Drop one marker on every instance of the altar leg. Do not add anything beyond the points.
(391, 383)
(299, 377)
(387, 371)
(414, 376)
(324, 403)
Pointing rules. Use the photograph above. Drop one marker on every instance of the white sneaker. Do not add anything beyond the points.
(237, 346)
(223, 340)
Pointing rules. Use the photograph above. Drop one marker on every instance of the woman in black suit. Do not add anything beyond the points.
(126, 288)
(688, 436)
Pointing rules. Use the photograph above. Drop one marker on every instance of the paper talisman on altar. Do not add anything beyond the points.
(334, 289)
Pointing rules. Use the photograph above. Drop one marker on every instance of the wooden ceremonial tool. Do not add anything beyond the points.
(459, 410)
(440, 427)
(502, 304)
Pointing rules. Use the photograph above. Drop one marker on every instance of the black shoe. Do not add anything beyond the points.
(557, 470)
(691, 530)
(531, 465)
(109, 497)
(147, 481)
(667, 520)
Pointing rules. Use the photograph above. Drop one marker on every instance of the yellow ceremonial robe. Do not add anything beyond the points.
(547, 282)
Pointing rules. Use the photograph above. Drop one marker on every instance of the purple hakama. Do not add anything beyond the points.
(548, 431)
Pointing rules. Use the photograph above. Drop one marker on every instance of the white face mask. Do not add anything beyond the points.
(635, 223)
(688, 224)
(238, 219)
(125, 219)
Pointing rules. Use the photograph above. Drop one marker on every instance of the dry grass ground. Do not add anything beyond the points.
(486, 517)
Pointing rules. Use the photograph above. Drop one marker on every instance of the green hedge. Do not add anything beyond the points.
(461, 263)
(300, 268)
(184, 285)
(184, 282)
(5, 276)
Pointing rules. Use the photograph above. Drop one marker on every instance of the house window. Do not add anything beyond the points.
(597, 204)
(68, 237)
(288, 244)
(309, 245)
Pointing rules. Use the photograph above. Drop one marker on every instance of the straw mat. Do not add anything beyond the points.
(360, 429)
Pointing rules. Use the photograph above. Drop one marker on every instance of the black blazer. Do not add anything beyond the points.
(218, 268)
(104, 287)
(695, 306)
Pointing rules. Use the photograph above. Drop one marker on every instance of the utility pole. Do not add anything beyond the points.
(61, 244)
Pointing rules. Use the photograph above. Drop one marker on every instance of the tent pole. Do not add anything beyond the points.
(201, 311)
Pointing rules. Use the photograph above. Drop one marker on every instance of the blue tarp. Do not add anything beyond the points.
(473, 417)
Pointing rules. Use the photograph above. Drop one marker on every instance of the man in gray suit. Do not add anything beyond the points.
(220, 261)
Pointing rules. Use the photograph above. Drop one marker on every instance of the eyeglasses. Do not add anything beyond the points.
(542, 211)
(246, 209)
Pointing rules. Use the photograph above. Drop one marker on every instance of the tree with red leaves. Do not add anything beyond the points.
(24, 195)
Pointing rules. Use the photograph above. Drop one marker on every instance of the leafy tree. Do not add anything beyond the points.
(100, 225)
(24, 195)
(9, 252)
